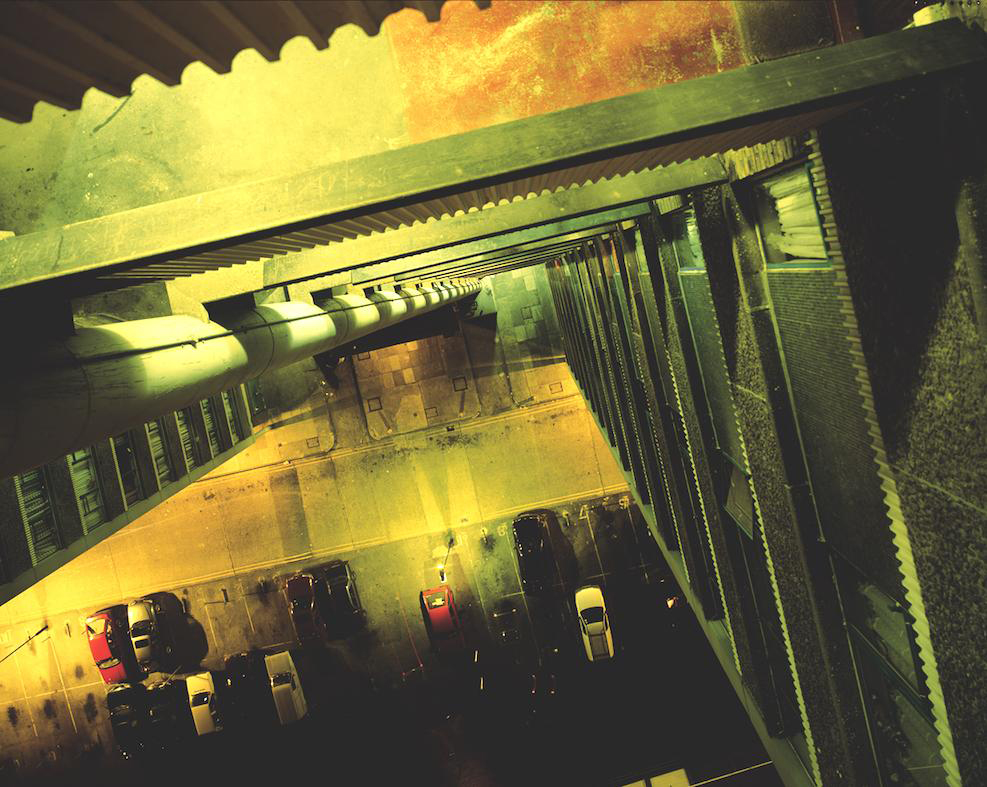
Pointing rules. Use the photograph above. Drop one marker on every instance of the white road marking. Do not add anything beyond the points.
(589, 526)
(58, 669)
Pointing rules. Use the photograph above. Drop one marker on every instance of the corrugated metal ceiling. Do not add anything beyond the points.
(56, 50)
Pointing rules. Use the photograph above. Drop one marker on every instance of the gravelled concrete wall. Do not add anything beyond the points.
(814, 627)
(904, 176)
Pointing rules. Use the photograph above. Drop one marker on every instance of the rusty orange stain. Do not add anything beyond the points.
(517, 59)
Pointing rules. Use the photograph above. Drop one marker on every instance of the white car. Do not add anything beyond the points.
(594, 624)
(142, 622)
(289, 699)
(202, 701)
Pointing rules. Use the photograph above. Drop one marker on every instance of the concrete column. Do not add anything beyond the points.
(63, 500)
(145, 461)
(15, 557)
(808, 604)
(203, 450)
(114, 502)
(239, 395)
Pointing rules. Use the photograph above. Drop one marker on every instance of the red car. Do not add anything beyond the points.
(300, 590)
(441, 618)
(109, 642)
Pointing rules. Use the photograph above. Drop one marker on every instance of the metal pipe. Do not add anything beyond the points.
(68, 394)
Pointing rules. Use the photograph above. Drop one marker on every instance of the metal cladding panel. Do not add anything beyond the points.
(832, 421)
(56, 50)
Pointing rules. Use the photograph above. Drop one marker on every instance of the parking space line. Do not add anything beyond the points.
(27, 703)
(599, 562)
(215, 642)
(476, 581)
(58, 669)
(407, 628)
(637, 542)
(246, 606)
(55, 691)
(527, 610)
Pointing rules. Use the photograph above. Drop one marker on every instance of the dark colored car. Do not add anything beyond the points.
(300, 592)
(341, 606)
(109, 643)
(534, 552)
(169, 718)
(441, 619)
(247, 694)
(127, 703)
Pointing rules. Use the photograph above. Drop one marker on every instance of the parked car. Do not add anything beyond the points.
(441, 618)
(169, 716)
(106, 631)
(286, 687)
(342, 607)
(202, 702)
(249, 702)
(594, 625)
(534, 552)
(299, 590)
(142, 619)
(127, 703)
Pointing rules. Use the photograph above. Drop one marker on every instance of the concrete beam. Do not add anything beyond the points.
(468, 266)
(481, 249)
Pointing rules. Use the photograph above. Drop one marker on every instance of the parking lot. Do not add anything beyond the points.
(385, 688)
(519, 703)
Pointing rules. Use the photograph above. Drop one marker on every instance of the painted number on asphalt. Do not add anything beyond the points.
(584, 512)
(502, 530)
(625, 501)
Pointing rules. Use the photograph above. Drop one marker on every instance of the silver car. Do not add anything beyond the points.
(594, 624)
(142, 621)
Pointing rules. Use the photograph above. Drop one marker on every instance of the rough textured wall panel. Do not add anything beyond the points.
(911, 273)
(831, 421)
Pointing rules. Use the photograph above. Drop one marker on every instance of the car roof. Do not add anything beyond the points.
(439, 603)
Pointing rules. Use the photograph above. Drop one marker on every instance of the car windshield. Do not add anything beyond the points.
(593, 615)
(200, 698)
(107, 663)
(142, 643)
(435, 600)
(300, 604)
(281, 679)
(141, 627)
(95, 627)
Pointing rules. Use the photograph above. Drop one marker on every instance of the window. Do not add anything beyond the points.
(880, 620)
(255, 397)
(895, 695)
(740, 503)
(788, 218)
(39, 519)
(162, 464)
(185, 434)
(684, 236)
(210, 419)
(86, 484)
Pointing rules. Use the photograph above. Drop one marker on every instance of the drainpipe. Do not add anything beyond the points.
(65, 395)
